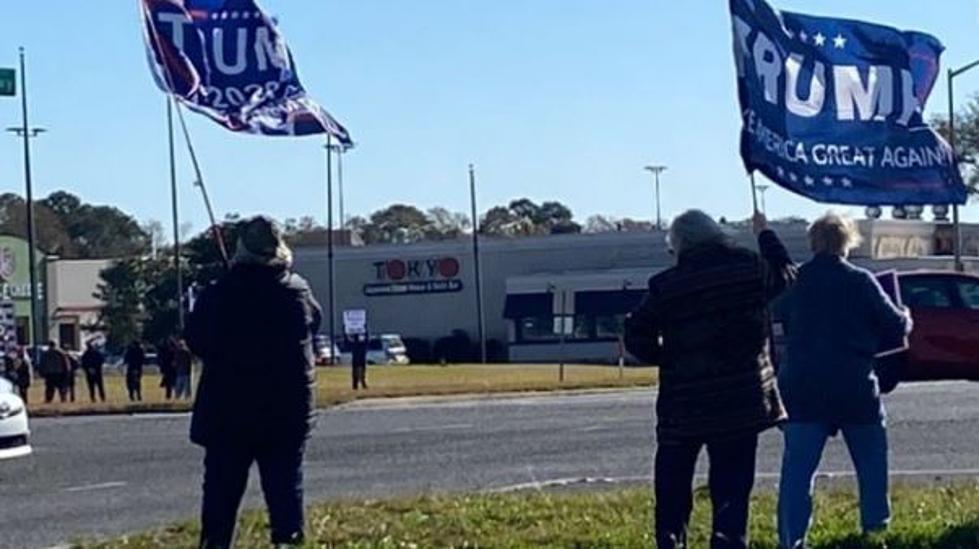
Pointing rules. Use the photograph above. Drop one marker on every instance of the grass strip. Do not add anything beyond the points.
(945, 517)
(385, 382)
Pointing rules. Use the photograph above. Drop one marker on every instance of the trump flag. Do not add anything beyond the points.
(227, 59)
(832, 108)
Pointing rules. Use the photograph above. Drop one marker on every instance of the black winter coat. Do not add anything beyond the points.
(705, 324)
(253, 330)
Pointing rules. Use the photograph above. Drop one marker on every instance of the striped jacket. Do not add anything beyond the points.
(705, 323)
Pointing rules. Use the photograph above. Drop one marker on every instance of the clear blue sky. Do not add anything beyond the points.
(551, 99)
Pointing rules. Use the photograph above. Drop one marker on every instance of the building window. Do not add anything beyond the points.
(536, 329)
(609, 326)
(68, 336)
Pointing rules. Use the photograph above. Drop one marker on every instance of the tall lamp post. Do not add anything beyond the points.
(761, 191)
(656, 170)
(952, 74)
(26, 132)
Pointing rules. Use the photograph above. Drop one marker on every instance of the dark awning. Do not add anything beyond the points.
(607, 303)
(529, 306)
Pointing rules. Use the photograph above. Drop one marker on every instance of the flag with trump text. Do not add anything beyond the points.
(832, 108)
(227, 59)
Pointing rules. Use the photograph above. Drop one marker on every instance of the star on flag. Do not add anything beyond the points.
(819, 39)
(839, 42)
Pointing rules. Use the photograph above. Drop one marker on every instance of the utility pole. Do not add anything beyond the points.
(477, 268)
(656, 171)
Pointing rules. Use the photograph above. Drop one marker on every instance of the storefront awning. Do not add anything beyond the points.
(607, 303)
(529, 306)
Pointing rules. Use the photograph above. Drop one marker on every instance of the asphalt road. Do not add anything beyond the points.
(95, 477)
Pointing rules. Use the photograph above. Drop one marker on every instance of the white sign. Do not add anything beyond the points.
(355, 321)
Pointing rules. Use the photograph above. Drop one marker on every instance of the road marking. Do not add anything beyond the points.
(434, 429)
(579, 481)
(93, 487)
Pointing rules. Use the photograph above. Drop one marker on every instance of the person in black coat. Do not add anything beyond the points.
(93, 362)
(705, 323)
(358, 359)
(253, 330)
(168, 375)
(135, 359)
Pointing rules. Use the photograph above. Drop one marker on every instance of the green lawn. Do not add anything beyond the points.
(385, 382)
(939, 517)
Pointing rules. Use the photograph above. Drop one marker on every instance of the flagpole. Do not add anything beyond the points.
(329, 245)
(218, 236)
(754, 193)
(480, 321)
(176, 217)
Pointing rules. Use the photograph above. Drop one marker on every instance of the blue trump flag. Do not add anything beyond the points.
(227, 59)
(832, 109)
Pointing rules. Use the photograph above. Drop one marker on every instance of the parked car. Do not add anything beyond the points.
(14, 431)
(382, 349)
(323, 351)
(945, 342)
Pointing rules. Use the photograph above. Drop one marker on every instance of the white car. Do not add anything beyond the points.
(384, 349)
(15, 435)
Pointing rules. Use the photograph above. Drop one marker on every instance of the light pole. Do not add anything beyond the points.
(656, 170)
(26, 132)
(761, 190)
(477, 267)
(952, 74)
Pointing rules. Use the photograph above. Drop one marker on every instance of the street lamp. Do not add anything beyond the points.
(656, 170)
(26, 133)
(761, 190)
(952, 74)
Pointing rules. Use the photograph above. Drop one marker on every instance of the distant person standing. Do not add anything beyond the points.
(23, 372)
(255, 402)
(93, 362)
(183, 365)
(168, 375)
(73, 366)
(54, 369)
(135, 359)
(358, 360)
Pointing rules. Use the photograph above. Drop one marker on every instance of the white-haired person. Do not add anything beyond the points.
(705, 324)
(835, 315)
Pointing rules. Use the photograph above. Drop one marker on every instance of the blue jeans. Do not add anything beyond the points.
(804, 443)
(225, 479)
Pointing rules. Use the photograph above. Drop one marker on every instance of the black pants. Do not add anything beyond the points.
(731, 478)
(95, 384)
(70, 386)
(360, 376)
(134, 383)
(225, 478)
(55, 383)
(24, 393)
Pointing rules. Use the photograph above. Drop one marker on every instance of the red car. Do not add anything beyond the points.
(945, 340)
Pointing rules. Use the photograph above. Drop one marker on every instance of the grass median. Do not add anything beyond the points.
(385, 382)
(937, 517)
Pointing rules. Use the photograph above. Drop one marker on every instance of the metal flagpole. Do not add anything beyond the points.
(477, 270)
(754, 194)
(200, 184)
(176, 217)
(329, 245)
(29, 191)
(343, 217)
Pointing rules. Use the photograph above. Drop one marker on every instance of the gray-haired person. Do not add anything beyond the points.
(836, 315)
(705, 324)
(255, 400)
